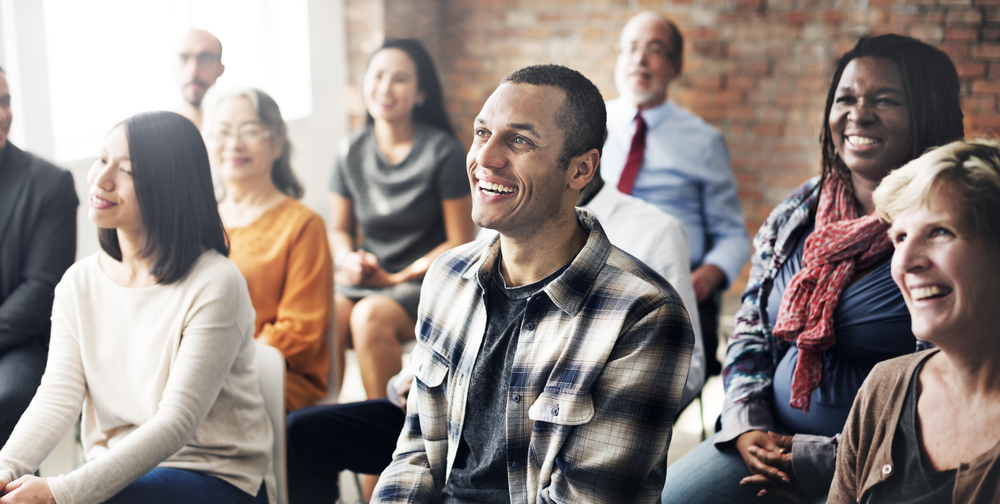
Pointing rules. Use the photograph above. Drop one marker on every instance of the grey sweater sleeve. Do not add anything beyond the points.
(814, 459)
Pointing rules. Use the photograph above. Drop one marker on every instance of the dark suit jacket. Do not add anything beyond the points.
(37, 243)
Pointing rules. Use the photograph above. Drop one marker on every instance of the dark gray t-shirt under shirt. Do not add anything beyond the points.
(480, 470)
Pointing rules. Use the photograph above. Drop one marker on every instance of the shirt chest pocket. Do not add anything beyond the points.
(432, 368)
(562, 408)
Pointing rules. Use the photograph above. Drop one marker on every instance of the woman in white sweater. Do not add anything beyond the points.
(153, 339)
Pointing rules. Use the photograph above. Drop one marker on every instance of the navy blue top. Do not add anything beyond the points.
(871, 324)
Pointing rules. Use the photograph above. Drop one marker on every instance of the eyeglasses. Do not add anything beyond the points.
(650, 51)
(203, 58)
(248, 135)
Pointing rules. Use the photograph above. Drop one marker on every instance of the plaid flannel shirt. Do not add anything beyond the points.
(598, 372)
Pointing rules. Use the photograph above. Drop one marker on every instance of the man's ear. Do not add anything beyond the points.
(582, 169)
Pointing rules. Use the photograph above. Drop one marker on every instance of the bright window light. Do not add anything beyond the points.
(109, 59)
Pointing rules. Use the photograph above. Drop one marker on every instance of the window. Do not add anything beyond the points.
(109, 59)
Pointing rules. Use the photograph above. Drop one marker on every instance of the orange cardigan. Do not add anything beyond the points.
(285, 257)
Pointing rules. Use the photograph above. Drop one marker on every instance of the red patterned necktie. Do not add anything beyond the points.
(635, 155)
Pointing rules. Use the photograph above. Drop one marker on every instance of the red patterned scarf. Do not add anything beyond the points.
(840, 244)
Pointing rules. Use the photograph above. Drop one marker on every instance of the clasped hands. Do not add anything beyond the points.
(26, 489)
(361, 268)
(769, 458)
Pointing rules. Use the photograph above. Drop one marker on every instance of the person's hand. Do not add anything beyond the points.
(3, 483)
(770, 466)
(780, 459)
(27, 489)
(403, 390)
(706, 278)
(356, 268)
(752, 446)
(373, 274)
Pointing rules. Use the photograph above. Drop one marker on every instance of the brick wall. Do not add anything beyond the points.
(756, 69)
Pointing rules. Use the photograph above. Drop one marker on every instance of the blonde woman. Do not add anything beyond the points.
(924, 426)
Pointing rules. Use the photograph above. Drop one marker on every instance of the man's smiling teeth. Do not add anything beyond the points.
(920, 293)
(860, 141)
(496, 188)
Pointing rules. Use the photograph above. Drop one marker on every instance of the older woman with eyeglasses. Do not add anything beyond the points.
(924, 427)
(280, 245)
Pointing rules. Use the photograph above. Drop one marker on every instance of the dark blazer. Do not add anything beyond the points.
(37, 243)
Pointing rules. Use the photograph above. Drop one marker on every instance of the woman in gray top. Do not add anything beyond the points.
(400, 197)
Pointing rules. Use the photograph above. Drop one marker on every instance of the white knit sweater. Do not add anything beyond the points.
(165, 376)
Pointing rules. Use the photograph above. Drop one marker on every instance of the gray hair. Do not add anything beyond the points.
(270, 117)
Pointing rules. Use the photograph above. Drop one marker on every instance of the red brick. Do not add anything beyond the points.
(980, 104)
(990, 121)
(971, 69)
(767, 130)
(798, 17)
(833, 16)
(964, 16)
(990, 51)
(955, 51)
(970, 34)
(929, 34)
(934, 16)
(749, 5)
(983, 86)
(899, 18)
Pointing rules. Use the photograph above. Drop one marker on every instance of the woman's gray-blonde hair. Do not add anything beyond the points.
(270, 117)
(968, 169)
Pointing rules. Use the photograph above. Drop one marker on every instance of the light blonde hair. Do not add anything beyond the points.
(968, 169)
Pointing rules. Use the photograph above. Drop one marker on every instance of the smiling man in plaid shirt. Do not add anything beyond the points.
(549, 363)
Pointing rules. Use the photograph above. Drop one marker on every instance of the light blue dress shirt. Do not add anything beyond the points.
(686, 173)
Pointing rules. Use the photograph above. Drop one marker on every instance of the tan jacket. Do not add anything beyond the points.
(864, 458)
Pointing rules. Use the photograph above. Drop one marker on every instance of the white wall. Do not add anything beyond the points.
(315, 138)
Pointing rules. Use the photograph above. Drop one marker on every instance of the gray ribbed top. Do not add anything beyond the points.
(399, 207)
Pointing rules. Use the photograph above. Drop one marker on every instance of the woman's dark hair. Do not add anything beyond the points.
(431, 111)
(173, 187)
(930, 82)
(270, 117)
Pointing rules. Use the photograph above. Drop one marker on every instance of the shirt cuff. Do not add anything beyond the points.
(814, 459)
(724, 260)
(743, 417)
(392, 388)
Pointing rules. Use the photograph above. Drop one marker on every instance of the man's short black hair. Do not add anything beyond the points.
(582, 118)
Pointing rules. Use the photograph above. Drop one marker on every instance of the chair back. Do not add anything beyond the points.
(271, 372)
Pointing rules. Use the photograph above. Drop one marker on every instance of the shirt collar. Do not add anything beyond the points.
(603, 203)
(569, 290)
(653, 116)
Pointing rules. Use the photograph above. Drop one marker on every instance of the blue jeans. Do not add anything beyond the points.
(710, 475)
(168, 486)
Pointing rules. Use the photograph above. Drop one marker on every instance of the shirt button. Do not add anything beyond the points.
(515, 465)
(529, 326)
(515, 398)
(555, 411)
(886, 469)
